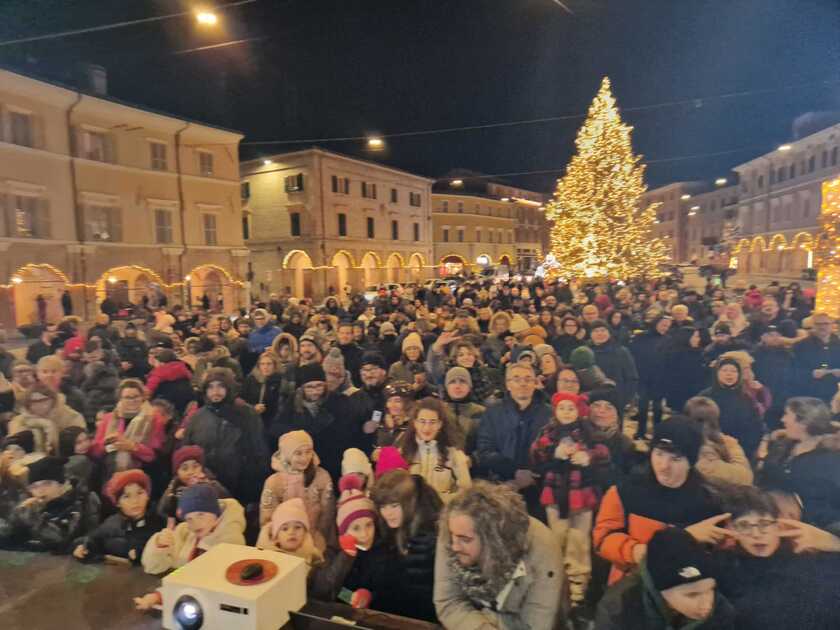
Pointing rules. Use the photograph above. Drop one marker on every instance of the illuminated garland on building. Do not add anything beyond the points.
(826, 258)
(599, 229)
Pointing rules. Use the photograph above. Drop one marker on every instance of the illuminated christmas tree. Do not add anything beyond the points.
(600, 230)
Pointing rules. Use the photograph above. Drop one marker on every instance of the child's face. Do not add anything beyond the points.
(163, 413)
(757, 534)
(46, 490)
(301, 458)
(395, 405)
(362, 529)
(465, 358)
(392, 514)
(566, 412)
(201, 523)
(290, 536)
(190, 472)
(82, 445)
(133, 501)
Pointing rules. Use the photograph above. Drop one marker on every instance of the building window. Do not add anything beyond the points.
(32, 217)
(368, 190)
(792, 171)
(294, 219)
(342, 224)
(772, 177)
(20, 128)
(246, 227)
(95, 146)
(341, 185)
(416, 232)
(780, 174)
(824, 159)
(460, 235)
(395, 230)
(395, 195)
(103, 223)
(415, 199)
(445, 206)
(245, 190)
(205, 163)
(761, 181)
(812, 164)
(157, 153)
(445, 235)
(294, 183)
(371, 227)
(163, 226)
(478, 235)
(460, 206)
(490, 235)
(210, 235)
(834, 156)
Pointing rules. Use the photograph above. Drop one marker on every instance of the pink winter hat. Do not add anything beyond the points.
(354, 505)
(291, 511)
(390, 458)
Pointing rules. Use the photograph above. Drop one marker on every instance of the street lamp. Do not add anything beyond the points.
(720, 181)
(456, 183)
(207, 18)
(375, 143)
(685, 197)
(785, 147)
(267, 162)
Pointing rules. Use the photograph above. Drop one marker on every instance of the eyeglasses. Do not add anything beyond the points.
(762, 527)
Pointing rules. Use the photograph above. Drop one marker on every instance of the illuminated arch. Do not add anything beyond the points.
(34, 267)
(743, 246)
(290, 256)
(399, 258)
(777, 241)
(446, 258)
(155, 277)
(222, 270)
(373, 255)
(486, 255)
(803, 240)
(350, 258)
(760, 242)
(421, 260)
(509, 258)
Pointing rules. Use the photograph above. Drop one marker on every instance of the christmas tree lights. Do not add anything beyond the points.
(600, 230)
(826, 258)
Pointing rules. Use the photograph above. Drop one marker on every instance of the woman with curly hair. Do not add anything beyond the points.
(496, 567)
(428, 447)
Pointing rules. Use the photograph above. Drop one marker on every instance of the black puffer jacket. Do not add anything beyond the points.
(118, 535)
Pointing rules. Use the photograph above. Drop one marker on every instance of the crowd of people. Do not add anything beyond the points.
(492, 454)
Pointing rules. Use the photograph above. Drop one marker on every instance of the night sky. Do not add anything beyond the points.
(336, 68)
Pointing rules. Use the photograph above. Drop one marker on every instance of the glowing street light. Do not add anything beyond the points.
(375, 143)
(720, 181)
(685, 197)
(17, 279)
(785, 147)
(112, 279)
(207, 18)
(456, 183)
(267, 162)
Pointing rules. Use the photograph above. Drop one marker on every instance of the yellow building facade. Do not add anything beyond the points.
(319, 222)
(103, 198)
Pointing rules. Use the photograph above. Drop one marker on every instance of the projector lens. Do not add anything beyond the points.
(188, 613)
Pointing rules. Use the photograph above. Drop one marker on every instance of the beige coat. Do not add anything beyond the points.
(318, 497)
(737, 470)
(229, 529)
(454, 475)
(530, 601)
(61, 417)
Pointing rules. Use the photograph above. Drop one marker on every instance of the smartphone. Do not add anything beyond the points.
(377, 416)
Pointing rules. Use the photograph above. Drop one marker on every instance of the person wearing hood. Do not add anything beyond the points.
(231, 434)
(214, 355)
(738, 414)
(675, 589)
(132, 352)
(616, 362)
(132, 434)
(46, 415)
(285, 348)
(262, 388)
(169, 379)
(462, 354)
(685, 371)
(761, 396)
(669, 492)
(259, 340)
(647, 349)
(399, 399)
(722, 341)
(388, 346)
(803, 461)
(294, 321)
(465, 413)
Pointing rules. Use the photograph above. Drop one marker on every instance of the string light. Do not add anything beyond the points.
(825, 259)
(599, 229)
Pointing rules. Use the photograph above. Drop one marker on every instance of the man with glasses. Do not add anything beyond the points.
(816, 360)
(507, 430)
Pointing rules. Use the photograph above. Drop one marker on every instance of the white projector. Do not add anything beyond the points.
(234, 587)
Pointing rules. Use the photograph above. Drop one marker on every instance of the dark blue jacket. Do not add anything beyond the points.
(506, 433)
(260, 340)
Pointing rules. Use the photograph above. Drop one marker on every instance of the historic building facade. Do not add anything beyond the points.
(99, 198)
(317, 222)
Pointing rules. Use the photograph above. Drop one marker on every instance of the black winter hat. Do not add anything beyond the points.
(723, 329)
(46, 469)
(608, 394)
(373, 358)
(205, 344)
(23, 439)
(598, 323)
(674, 558)
(678, 435)
(220, 374)
(309, 373)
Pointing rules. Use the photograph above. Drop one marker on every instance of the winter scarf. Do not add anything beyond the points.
(137, 429)
(482, 592)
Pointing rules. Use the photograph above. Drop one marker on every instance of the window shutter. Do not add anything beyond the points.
(44, 229)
